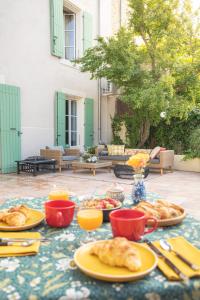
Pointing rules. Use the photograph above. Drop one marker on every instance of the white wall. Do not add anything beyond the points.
(25, 61)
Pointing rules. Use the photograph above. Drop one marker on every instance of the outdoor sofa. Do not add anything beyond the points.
(160, 158)
(63, 157)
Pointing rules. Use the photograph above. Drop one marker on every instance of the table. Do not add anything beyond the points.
(34, 166)
(50, 275)
(91, 166)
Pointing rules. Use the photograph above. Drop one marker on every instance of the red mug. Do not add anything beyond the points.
(130, 223)
(59, 213)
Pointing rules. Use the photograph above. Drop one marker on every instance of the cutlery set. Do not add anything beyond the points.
(22, 242)
(166, 246)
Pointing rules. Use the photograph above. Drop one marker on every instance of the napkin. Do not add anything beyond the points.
(182, 246)
(19, 250)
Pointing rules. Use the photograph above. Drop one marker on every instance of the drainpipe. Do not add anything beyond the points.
(99, 80)
(120, 13)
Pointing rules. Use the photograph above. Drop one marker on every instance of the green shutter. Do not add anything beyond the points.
(60, 119)
(87, 31)
(89, 122)
(10, 128)
(57, 28)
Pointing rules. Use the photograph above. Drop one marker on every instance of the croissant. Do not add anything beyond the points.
(118, 252)
(2, 214)
(174, 212)
(150, 212)
(14, 219)
(22, 209)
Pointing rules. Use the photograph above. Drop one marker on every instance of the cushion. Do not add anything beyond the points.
(69, 158)
(115, 157)
(155, 161)
(103, 153)
(154, 152)
(115, 149)
(130, 151)
(61, 148)
(146, 151)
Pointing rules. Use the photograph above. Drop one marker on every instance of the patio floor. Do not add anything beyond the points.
(178, 187)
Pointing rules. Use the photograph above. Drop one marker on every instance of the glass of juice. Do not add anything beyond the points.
(58, 195)
(89, 219)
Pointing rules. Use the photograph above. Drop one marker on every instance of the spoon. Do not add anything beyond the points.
(168, 247)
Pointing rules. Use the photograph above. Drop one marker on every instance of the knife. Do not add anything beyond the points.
(166, 260)
(13, 243)
(24, 239)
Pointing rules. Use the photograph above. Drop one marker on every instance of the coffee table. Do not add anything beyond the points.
(34, 166)
(91, 166)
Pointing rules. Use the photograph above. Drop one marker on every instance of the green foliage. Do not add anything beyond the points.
(91, 150)
(154, 62)
(194, 145)
(175, 135)
(116, 127)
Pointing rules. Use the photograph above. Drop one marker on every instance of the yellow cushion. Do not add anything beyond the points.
(115, 149)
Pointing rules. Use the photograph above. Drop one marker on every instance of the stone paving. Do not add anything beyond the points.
(178, 187)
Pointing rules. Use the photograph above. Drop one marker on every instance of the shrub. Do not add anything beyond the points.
(194, 145)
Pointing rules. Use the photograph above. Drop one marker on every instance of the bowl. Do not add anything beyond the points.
(100, 204)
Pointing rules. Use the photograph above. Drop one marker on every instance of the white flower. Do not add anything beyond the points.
(14, 296)
(35, 281)
(76, 284)
(163, 114)
(117, 286)
(152, 296)
(65, 264)
(73, 294)
(43, 259)
(9, 289)
(9, 265)
(66, 237)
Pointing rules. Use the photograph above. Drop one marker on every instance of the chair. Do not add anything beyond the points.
(62, 161)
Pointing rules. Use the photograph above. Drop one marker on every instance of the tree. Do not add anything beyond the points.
(155, 62)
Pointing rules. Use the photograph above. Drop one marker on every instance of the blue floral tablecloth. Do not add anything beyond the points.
(50, 275)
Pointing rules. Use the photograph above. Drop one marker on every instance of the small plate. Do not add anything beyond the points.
(92, 266)
(36, 217)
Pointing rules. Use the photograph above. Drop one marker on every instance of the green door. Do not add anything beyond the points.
(10, 128)
(89, 122)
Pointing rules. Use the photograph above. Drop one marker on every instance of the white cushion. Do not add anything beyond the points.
(61, 148)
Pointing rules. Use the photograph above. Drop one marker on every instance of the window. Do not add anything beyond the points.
(70, 35)
(71, 123)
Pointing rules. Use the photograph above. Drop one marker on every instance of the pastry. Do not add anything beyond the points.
(2, 214)
(161, 209)
(22, 209)
(14, 219)
(118, 252)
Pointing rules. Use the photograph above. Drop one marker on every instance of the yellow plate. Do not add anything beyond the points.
(92, 266)
(36, 217)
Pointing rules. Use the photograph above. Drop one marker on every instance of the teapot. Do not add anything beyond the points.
(116, 192)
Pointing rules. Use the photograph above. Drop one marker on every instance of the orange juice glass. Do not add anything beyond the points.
(58, 195)
(89, 220)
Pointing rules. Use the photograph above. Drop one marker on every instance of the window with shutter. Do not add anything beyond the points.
(87, 31)
(60, 119)
(57, 28)
(89, 122)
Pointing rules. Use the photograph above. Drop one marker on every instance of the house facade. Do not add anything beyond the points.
(44, 98)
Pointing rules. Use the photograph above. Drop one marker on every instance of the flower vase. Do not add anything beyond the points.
(138, 192)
